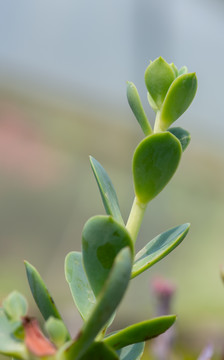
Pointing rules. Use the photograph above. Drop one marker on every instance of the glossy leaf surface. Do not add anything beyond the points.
(15, 305)
(183, 136)
(158, 77)
(41, 294)
(106, 305)
(158, 248)
(9, 344)
(137, 108)
(178, 99)
(107, 190)
(98, 351)
(140, 332)
(154, 163)
(82, 293)
(102, 240)
(131, 352)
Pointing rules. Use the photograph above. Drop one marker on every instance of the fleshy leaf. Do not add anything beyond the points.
(137, 108)
(99, 350)
(9, 344)
(107, 190)
(15, 306)
(183, 70)
(56, 330)
(107, 302)
(140, 332)
(178, 98)
(158, 248)
(82, 293)
(131, 352)
(41, 294)
(174, 69)
(152, 102)
(154, 163)
(183, 136)
(102, 239)
(159, 75)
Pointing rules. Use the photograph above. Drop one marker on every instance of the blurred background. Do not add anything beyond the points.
(63, 69)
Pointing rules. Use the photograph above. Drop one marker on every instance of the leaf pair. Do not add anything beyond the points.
(106, 304)
(113, 277)
(95, 313)
(85, 302)
(170, 92)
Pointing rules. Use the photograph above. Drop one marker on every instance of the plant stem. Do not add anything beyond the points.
(135, 218)
(157, 127)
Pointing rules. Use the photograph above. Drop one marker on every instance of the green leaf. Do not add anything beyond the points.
(183, 70)
(178, 98)
(98, 351)
(107, 302)
(56, 330)
(140, 332)
(155, 161)
(15, 305)
(41, 294)
(183, 136)
(82, 293)
(152, 102)
(158, 248)
(137, 108)
(131, 352)
(107, 190)
(174, 69)
(9, 344)
(102, 239)
(159, 75)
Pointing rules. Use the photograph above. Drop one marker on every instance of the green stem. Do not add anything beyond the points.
(157, 127)
(135, 218)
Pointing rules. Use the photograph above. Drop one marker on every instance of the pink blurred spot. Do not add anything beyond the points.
(35, 340)
(163, 287)
(23, 153)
